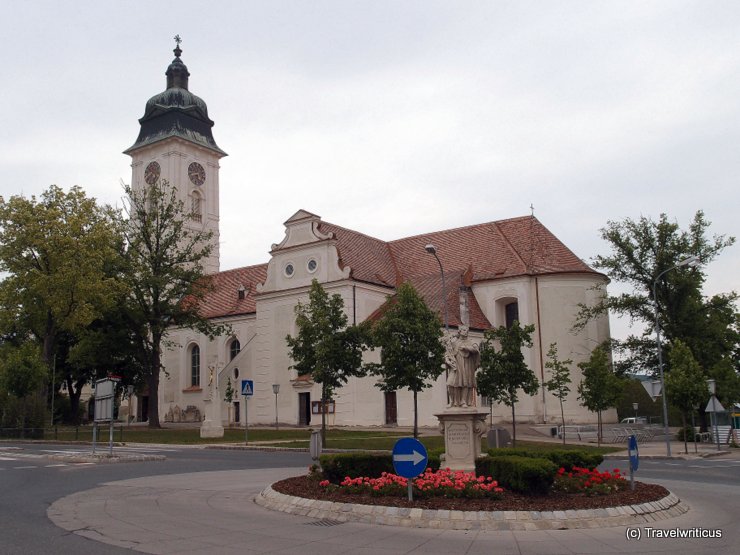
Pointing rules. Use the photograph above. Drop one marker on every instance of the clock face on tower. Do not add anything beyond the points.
(151, 173)
(196, 173)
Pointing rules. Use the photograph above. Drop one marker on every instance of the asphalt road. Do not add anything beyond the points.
(30, 482)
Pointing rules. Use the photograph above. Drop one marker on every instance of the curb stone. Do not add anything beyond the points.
(668, 507)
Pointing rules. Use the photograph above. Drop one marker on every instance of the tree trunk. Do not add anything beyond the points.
(153, 383)
(598, 428)
(685, 438)
(513, 426)
(562, 417)
(416, 418)
(323, 417)
(74, 399)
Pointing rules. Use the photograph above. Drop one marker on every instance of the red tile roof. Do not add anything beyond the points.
(223, 298)
(482, 252)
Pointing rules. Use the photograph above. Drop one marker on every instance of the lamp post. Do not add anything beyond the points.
(276, 390)
(634, 406)
(691, 261)
(431, 249)
(712, 385)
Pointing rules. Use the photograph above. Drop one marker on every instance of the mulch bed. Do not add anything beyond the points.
(303, 486)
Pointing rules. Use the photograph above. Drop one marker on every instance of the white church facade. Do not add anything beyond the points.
(493, 273)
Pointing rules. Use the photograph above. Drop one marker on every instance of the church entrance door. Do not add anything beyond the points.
(304, 409)
(391, 408)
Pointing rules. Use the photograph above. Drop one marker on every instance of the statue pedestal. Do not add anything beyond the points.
(211, 426)
(462, 429)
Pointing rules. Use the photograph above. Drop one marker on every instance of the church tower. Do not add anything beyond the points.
(176, 143)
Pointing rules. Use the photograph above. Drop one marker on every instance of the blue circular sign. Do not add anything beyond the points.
(409, 457)
(633, 452)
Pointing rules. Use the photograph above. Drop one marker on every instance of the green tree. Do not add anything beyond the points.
(58, 251)
(685, 385)
(326, 348)
(408, 334)
(503, 371)
(641, 252)
(22, 373)
(229, 394)
(164, 278)
(600, 388)
(559, 378)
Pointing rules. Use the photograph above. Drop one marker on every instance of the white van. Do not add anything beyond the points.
(634, 420)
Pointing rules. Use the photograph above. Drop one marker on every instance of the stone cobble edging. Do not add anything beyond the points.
(628, 515)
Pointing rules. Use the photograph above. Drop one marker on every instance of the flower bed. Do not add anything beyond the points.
(589, 482)
(447, 496)
(443, 483)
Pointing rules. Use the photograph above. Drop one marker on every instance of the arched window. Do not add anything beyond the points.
(511, 311)
(234, 348)
(196, 209)
(195, 366)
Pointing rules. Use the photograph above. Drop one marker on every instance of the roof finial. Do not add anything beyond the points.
(177, 49)
(531, 207)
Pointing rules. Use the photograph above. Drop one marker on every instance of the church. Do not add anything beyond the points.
(479, 276)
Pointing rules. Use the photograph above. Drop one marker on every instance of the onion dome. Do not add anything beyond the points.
(176, 112)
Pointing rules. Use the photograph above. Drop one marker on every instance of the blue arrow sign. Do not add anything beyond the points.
(409, 457)
(633, 452)
(247, 388)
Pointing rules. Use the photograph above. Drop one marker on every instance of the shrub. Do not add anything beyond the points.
(337, 466)
(566, 458)
(688, 431)
(531, 476)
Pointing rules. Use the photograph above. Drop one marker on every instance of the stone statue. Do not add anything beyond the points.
(462, 359)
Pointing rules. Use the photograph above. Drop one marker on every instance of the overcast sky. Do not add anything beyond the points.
(396, 117)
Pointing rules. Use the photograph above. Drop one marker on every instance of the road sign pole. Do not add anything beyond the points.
(411, 490)
(246, 420)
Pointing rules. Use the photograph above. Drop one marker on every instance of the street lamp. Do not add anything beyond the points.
(276, 390)
(634, 406)
(712, 385)
(431, 249)
(691, 261)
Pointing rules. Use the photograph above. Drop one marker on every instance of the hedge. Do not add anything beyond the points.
(336, 466)
(566, 458)
(531, 476)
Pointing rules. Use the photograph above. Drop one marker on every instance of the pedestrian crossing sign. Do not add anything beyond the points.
(247, 388)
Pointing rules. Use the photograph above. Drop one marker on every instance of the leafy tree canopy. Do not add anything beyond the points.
(164, 277)
(411, 356)
(643, 251)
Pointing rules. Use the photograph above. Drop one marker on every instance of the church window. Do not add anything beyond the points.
(195, 366)
(196, 208)
(289, 270)
(234, 348)
(511, 311)
(236, 373)
(312, 265)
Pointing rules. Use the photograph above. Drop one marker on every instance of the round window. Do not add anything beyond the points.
(289, 270)
(312, 265)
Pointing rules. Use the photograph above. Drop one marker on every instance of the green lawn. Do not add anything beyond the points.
(139, 434)
(288, 437)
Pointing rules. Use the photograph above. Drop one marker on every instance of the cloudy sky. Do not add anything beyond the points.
(396, 117)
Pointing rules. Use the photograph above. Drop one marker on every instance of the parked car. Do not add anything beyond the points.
(634, 420)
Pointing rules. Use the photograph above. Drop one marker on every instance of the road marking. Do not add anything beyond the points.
(23, 467)
(6, 459)
(54, 465)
